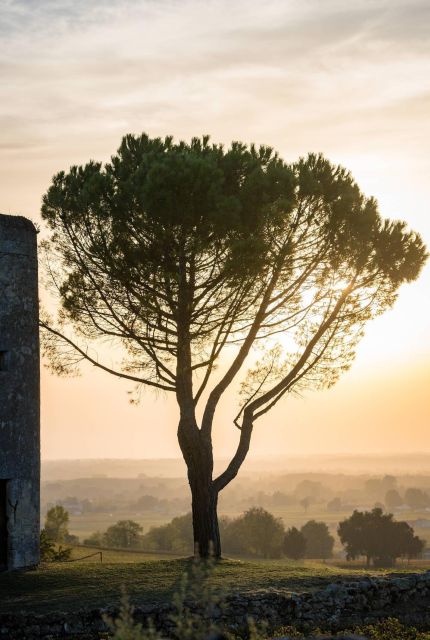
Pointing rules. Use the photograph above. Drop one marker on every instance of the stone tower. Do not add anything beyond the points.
(19, 395)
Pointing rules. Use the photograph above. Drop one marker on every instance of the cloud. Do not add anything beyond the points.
(349, 79)
(80, 75)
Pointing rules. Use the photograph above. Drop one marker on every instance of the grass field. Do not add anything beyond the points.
(148, 578)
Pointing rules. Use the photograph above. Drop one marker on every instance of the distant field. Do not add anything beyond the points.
(89, 584)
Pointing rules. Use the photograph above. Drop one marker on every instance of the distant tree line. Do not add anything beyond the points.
(145, 502)
(374, 535)
(307, 494)
(414, 498)
(256, 533)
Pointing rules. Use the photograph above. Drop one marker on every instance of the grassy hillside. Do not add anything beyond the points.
(89, 584)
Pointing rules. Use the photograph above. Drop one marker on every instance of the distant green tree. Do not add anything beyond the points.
(305, 503)
(94, 540)
(417, 498)
(255, 533)
(319, 542)
(47, 547)
(413, 546)
(377, 537)
(334, 505)
(310, 489)
(294, 544)
(70, 538)
(124, 534)
(393, 499)
(280, 499)
(147, 502)
(56, 523)
(176, 536)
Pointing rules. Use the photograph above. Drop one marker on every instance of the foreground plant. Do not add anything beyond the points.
(190, 256)
(198, 607)
(197, 617)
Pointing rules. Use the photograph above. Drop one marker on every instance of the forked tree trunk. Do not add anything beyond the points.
(205, 518)
(198, 456)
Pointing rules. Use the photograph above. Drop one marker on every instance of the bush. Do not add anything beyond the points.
(391, 629)
(56, 521)
(417, 498)
(95, 540)
(47, 547)
(124, 534)
(49, 552)
(294, 544)
(197, 606)
(319, 542)
(62, 554)
(176, 536)
(256, 533)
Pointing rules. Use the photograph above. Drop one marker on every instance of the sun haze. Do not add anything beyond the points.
(350, 81)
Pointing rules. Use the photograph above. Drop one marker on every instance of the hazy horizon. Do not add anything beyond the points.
(256, 456)
(350, 465)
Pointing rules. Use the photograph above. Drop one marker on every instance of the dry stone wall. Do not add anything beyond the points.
(338, 606)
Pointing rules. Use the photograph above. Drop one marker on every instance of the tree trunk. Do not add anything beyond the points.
(205, 518)
(197, 452)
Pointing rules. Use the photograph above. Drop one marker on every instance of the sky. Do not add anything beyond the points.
(351, 80)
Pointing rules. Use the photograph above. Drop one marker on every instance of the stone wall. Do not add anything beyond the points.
(338, 606)
(19, 390)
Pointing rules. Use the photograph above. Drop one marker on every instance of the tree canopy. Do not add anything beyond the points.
(417, 498)
(191, 256)
(255, 533)
(319, 542)
(56, 523)
(294, 544)
(378, 537)
(124, 534)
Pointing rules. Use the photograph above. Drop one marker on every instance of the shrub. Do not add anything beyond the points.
(175, 536)
(319, 542)
(124, 534)
(255, 533)
(197, 605)
(94, 540)
(56, 521)
(47, 546)
(294, 544)
(49, 552)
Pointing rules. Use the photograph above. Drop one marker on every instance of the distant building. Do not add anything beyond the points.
(19, 395)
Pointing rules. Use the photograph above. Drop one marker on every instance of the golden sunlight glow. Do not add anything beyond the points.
(352, 84)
